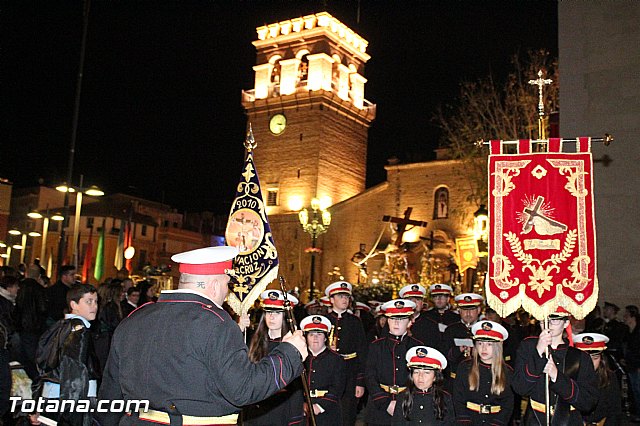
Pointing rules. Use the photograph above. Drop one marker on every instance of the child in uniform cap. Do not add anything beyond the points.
(349, 340)
(608, 410)
(425, 401)
(572, 382)
(325, 372)
(422, 327)
(363, 311)
(286, 406)
(325, 305)
(386, 364)
(470, 306)
(482, 389)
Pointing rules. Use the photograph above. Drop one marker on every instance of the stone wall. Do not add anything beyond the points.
(599, 45)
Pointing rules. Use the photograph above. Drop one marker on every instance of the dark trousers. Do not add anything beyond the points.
(29, 347)
(349, 402)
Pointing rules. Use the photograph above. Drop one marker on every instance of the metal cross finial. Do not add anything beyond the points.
(250, 143)
(540, 82)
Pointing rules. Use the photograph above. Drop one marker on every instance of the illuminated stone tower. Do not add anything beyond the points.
(308, 112)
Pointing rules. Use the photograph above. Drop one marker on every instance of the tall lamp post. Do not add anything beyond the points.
(23, 244)
(45, 229)
(93, 191)
(5, 255)
(315, 223)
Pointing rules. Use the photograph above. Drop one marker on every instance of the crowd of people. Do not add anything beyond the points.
(36, 314)
(410, 360)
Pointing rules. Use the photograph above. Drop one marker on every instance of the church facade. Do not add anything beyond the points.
(309, 116)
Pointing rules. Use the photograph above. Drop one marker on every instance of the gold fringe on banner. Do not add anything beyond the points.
(540, 312)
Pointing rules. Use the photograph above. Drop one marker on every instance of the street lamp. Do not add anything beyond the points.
(4, 255)
(45, 228)
(481, 234)
(480, 223)
(93, 191)
(23, 244)
(315, 223)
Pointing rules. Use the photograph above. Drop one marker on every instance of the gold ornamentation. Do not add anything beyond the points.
(505, 267)
(578, 270)
(569, 245)
(541, 279)
(574, 174)
(539, 172)
(572, 182)
(505, 176)
(516, 248)
(239, 288)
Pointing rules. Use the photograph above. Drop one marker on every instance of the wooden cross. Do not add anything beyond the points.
(432, 241)
(535, 212)
(540, 82)
(402, 224)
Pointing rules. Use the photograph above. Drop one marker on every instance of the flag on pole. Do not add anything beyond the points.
(118, 260)
(542, 251)
(248, 229)
(99, 269)
(86, 264)
(128, 242)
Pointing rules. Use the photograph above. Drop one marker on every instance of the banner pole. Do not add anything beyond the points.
(547, 410)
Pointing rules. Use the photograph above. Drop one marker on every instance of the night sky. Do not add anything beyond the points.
(160, 114)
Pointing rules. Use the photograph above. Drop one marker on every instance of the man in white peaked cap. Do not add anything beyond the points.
(186, 356)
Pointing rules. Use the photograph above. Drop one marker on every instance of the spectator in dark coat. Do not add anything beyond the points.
(130, 303)
(109, 316)
(31, 317)
(632, 359)
(57, 294)
(8, 292)
(147, 292)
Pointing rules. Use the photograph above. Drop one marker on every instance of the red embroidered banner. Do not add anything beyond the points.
(542, 251)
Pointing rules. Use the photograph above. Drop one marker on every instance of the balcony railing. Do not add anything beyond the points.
(274, 91)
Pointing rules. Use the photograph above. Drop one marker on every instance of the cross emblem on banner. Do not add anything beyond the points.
(403, 222)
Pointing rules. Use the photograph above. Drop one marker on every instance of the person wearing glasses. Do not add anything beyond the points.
(572, 381)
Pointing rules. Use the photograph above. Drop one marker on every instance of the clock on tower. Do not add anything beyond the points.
(308, 111)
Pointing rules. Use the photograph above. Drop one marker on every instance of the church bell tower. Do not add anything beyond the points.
(308, 112)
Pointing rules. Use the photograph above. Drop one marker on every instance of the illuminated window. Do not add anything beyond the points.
(441, 203)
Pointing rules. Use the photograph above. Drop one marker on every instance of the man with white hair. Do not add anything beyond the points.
(187, 356)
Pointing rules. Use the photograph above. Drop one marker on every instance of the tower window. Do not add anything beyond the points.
(272, 194)
(272, 197)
